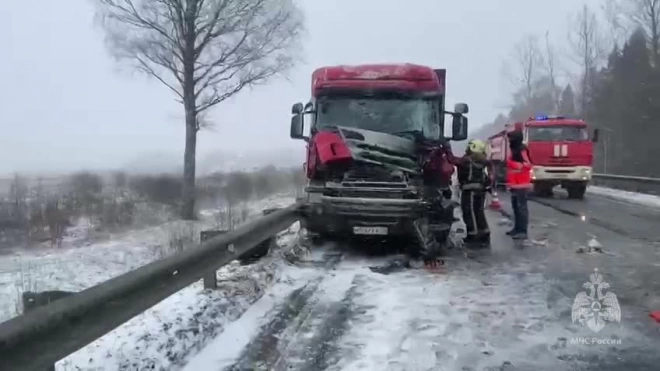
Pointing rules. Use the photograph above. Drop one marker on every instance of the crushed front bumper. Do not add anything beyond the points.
(364, 215)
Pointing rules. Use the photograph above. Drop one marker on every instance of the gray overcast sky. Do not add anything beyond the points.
(64, 105)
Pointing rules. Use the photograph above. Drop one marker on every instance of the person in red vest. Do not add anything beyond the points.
(519, 168)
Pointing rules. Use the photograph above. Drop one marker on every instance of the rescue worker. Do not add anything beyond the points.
(474, 182)
(519, 182)
(438, 170)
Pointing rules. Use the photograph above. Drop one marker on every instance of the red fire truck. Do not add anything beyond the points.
(561, 150)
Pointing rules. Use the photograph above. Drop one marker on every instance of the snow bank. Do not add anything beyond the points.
(631, 197)
(222, 350)
(165, 335)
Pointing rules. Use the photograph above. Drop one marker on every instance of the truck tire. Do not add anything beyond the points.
(542, 190)
(576, 191)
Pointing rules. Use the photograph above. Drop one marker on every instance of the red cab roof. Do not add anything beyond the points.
(407, 77)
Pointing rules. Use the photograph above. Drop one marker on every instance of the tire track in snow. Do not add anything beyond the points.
(268, 346)
(313, 346)
(263, 351)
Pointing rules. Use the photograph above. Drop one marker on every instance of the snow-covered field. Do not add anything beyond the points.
(178, 327)
(164, 333)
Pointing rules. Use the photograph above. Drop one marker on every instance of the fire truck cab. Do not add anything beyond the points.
(561, 150)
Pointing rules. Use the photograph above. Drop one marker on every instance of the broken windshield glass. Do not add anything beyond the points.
(405, 117)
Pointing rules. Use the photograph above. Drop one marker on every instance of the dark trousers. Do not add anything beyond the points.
(520, 211)
(472, 205)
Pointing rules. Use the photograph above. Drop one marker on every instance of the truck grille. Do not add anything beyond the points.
(398, 191)
(373, 173)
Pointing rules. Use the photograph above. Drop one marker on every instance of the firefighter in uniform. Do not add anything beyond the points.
(474, 181)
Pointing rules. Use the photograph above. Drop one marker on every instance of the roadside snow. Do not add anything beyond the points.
(473, 319)
(222, 351)
(630, 197)
(164, 336)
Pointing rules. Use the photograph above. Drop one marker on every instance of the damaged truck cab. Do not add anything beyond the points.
(376, 153)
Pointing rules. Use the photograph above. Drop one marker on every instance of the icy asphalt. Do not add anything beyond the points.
(504, 309)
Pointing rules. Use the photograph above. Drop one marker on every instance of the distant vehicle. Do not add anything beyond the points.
(561, 150)
(372, 130)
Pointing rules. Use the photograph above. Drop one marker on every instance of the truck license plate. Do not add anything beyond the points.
(370, 230)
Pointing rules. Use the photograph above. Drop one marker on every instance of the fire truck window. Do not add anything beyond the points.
(381, 115)
(558, 133)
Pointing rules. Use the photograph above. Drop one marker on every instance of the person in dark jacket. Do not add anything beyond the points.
(519, 169)
(474, 182)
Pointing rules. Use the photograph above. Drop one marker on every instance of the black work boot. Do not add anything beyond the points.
(519, 236)
(484, 237)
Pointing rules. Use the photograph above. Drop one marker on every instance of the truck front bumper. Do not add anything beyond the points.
(364, 216)
(368, 216)
(561, 174)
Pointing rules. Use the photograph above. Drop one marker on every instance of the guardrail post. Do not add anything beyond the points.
(266, 245)
(33, 300)
(210, 278)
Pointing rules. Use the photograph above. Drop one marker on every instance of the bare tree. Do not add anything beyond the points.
(551, 70)
(618, 22)
(588, 47)
(648, 16)
(638, 13)
(527, 60)
(204, 51)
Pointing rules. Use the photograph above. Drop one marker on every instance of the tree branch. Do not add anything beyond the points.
(227, 44)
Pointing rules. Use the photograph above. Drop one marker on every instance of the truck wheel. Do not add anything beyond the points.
(576, 191)
(542, 190)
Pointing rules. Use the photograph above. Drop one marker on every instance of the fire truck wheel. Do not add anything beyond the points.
(542, 190)
(576, 191)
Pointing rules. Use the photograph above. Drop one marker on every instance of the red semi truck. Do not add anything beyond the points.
(369, 132)
(561, 150)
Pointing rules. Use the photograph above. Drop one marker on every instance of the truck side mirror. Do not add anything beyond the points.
(594, 138)
(461, 108)
(459, 127)
(297, 108)
(297, 127)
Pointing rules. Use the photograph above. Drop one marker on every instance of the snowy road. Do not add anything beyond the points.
(507, 309)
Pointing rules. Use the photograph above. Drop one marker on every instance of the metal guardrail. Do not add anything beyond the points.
(646, 185)
(45, 335)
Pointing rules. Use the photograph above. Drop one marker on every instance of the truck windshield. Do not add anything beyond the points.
(406, 117)
(557, 133)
